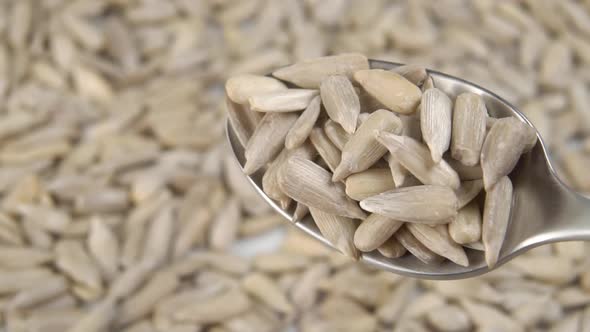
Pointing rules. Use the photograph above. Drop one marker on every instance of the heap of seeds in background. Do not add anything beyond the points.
(111, 130)
(415, 197)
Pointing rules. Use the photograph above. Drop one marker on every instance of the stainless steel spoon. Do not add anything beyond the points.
(544, 209)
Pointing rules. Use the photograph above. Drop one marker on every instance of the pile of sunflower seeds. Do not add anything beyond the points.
(374, 155)
(120, 210)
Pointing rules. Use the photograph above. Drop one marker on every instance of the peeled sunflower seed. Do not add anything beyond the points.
(496, 215)
(310, 73)
(310, 184)
(413, 73)
(449, 318)
(416, 158)
(466, 227)
(380, 83)
(336, 134)
(301, 210)
(266, 290)
(270, 180)
(328, 151)
(240, 88)
(363, 150)
(469, 128)
(287, 100)
(392, 248)
(398, 172)
(230, 303)
(502, 148)
(409, 241)
(374, 231)
(267, 140)
(369, 183)
(435, 122)
(341, 101)
(425, 204)
(304, 124)
(242, 120)
(438, 240)
(338, 230)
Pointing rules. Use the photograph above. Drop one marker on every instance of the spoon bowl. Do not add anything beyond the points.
(544, 209)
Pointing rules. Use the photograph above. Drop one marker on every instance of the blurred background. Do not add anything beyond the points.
(121, 209)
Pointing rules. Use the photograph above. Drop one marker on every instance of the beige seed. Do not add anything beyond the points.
(426, 204)
(506, 141)
(416, 158)
(392, 248)
(102, 200)
(487, 316)
(310, 73)
(305, 292)
(257, 225)
(104, 247)
(267, 291)
(301, 210)
(216, 309)
(435, 122)
(47, 218)
(496, 216)
(327, 151)
(466, 173)
(22, 257)
(73, 260)
(224, 228)
(159, 236)
(143, 302)
(46, 290)
(369, 183)
(240, 88)
(339, 231)
(374, 231)
(363, 150)
(304, 124)
(13, 281)
(390, 310)
(438, 240)
(341, 101)
(287, 100)
(336, 134)
(280, 262)
(449, 318)
(409, 241)
(242, 120)
(466, 227)
(96, 319)
(428, 83)
(310, 184)
(267, 140)
(469, 128)
(468, 191)
(413, 73)
(380, 83)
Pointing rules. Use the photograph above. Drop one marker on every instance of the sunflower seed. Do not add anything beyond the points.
(310, 73)
(261, 149)
(416, 247)
(304, 124)
(374, 231)
(49, 289)
(218, 308)
(72, 259)
(469, 128)
(260, 224)
(336, 134)
(97, 319)
(466, 173)
(398, 171)
(305, 292)
(413, 73)
(449, 318)
(379, 84)
(340, 101)
(301, 210)
(392, 248)
(328, 151)
(391, 309)
(438, 240)
(287, 100)
(486, 316)
(240, 88)
(22, 257)
(466, 227)
(159, 236)
(280, 262)
(338, 230)
(496, 216)
(266, 290)
(142, 303)
(369, 183)
(363, 150)
(435, 122)
(104, 247)
(224, 228)
(506, 141)
(416, 158)
(311, 185)
(419, 204)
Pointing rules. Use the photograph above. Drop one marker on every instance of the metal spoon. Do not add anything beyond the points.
(544, 209)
